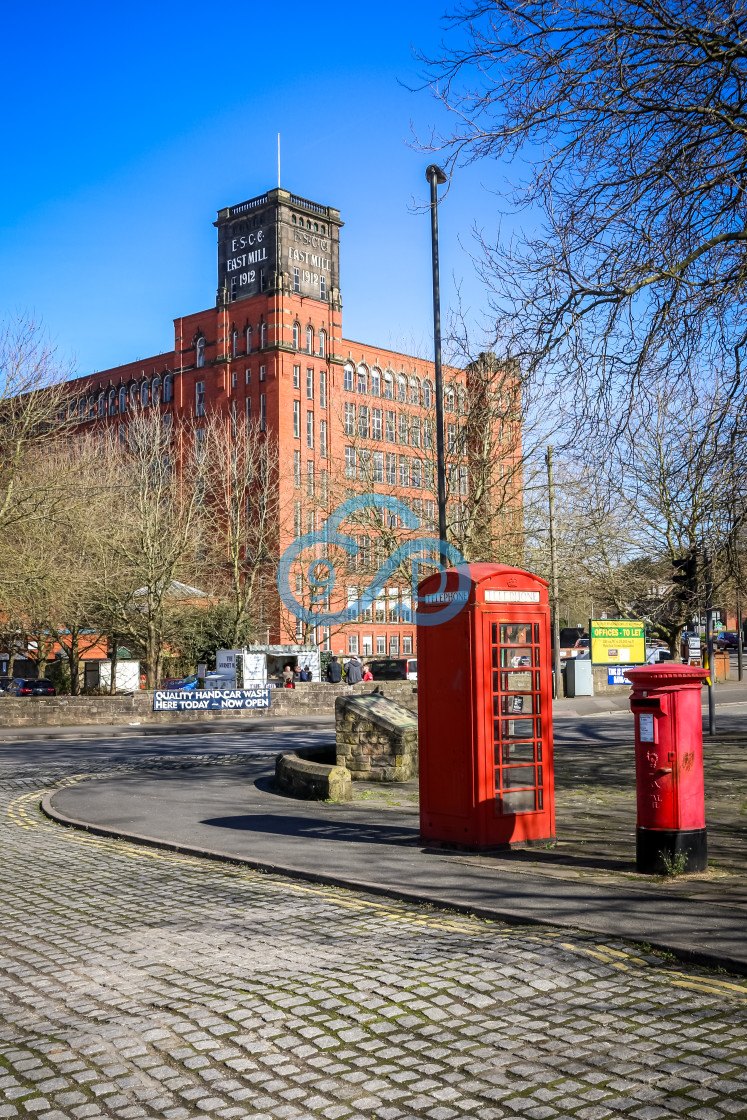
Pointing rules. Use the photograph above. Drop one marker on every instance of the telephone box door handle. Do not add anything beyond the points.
(662, 771)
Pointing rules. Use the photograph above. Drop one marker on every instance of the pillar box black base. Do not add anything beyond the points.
(654, 843)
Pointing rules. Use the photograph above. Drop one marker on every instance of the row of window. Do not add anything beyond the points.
(310, 338)
(375, 466)
(315, 226)
(364, 644)
(385, 424)
(113, 402)
(323, 444)
(310, 382)
(315, 343)
(320, 489)
(398, 387)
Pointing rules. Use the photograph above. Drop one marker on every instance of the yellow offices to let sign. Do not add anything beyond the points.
(618, 642)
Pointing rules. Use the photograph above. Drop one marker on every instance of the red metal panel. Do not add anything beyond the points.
(669, 746)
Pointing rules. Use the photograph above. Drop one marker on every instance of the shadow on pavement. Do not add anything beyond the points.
(350, 832)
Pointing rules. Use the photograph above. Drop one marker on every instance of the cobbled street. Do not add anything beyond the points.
(143, 984)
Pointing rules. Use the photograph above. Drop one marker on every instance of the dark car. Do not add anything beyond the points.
(5, 683)
(727, 639)
(24, 687)
(388, 668)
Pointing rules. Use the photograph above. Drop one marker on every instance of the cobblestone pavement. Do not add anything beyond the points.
(143, 984)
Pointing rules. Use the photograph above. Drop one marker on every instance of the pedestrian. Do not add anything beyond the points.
(367, 674)
(288, 681)
(305, 674)
(334, 671)
(354, 671)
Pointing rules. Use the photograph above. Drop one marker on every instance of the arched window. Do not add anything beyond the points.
(427, 394)
(234, 343)
(122, 398)
(156, 390)
(82, 408)
(168, 388)
(414, 391)
(262, 335)
(309, 340)
(388, 386)
(362, 384)
(145, 394)
(349, 374)
(101, 409)
(449, 399)
(112, 402)
(401, 388)
(375, 382)
(134, 395)
(91, 407)
(200, 353)
(296, 336)
(248, 340)
(322, 344)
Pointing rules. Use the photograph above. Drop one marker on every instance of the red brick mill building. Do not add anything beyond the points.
(272, 349)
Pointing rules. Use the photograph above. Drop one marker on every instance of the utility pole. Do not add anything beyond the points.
(553, 577)
(740, 650)
(436, 178)
(709, 641)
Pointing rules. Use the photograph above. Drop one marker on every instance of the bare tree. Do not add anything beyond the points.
(156, 536)
(32, 415)
(620, 124)
(244, 518)
(667, 489)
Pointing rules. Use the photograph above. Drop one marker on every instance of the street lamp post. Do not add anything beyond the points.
(436, 178)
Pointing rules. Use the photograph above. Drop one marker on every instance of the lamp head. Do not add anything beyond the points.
(433, 171)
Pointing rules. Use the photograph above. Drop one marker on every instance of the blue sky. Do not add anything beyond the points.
(126, 127)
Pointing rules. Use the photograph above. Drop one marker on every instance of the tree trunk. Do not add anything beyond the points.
(113, 662)
(73, 659)
(152, 654)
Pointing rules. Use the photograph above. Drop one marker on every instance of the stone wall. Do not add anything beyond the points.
(377, 739)
(311, 775)
(311, 699)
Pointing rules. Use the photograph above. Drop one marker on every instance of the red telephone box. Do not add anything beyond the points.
(669, 766)
(485, 707)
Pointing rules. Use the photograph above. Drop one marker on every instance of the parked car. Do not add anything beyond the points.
(656, 654)
(412, 668)
(388, 668)
(727, 639)
(5, 684)
(188, 683)
(23, 686)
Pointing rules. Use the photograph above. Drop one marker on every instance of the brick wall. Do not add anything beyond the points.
(78, 711)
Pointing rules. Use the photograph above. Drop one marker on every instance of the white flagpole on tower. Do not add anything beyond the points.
(278, 159)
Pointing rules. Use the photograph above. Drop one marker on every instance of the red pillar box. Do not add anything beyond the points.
(669, 766)
(485, 707)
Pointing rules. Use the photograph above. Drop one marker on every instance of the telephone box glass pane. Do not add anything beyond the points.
(513, 752)
(517, 729)
(525, 704)
(536, 633)
(516, 656)
(514, 776)
(516, 635)
(522, 801)
(516, 682)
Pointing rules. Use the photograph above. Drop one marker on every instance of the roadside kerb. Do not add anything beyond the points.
(418, 897)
